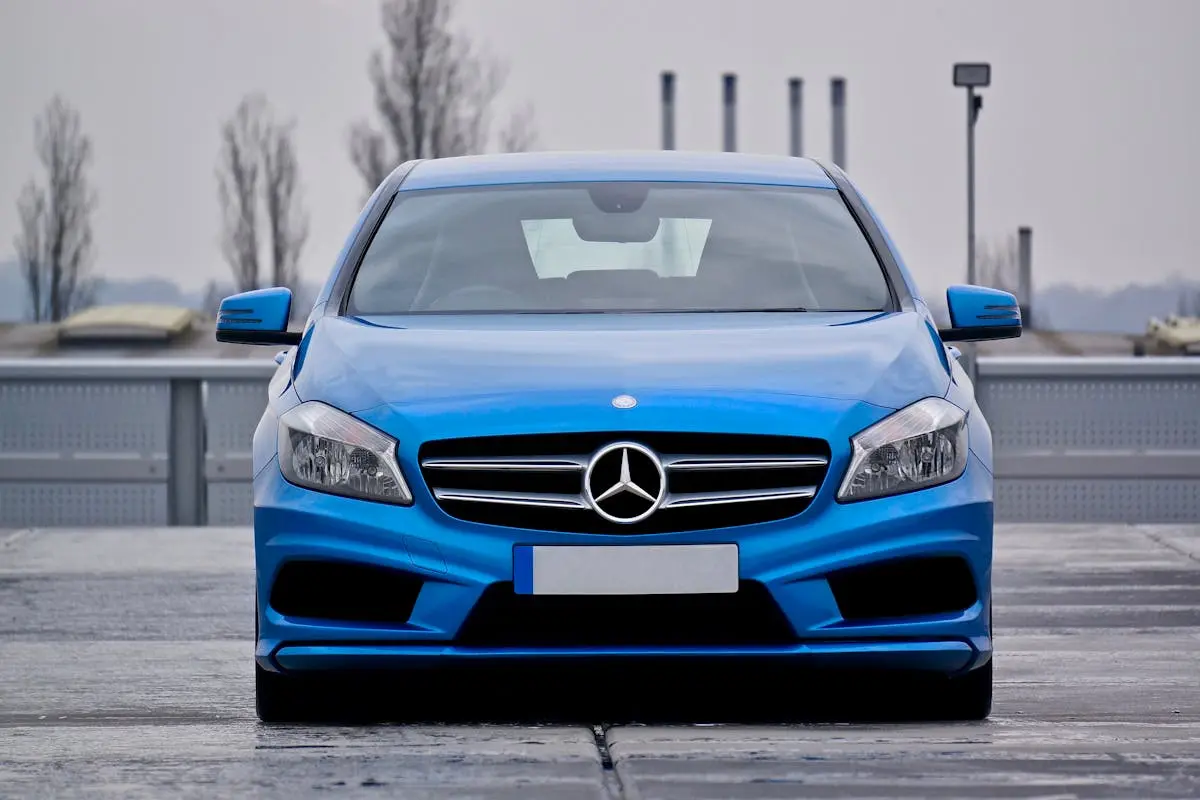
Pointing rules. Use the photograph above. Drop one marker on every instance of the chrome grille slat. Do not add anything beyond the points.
(536, 481)
(731, 462)
(514, 463)
(534, 499)
(692, 499)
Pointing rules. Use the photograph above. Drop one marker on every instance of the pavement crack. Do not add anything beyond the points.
(614, 784)
(601, 737)
(1174, 548)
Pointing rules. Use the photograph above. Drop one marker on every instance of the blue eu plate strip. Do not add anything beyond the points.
(523, 569)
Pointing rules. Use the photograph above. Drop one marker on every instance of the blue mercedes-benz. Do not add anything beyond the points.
(621, 405)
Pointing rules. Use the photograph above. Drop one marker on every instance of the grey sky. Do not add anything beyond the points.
(1088, 132)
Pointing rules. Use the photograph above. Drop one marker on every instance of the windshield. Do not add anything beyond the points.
(618, 247)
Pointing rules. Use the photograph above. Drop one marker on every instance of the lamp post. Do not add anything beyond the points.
(972, 76)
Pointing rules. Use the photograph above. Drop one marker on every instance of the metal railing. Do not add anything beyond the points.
(167, 441)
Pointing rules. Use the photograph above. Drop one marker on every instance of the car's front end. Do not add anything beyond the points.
(455, 565)
(616, 418)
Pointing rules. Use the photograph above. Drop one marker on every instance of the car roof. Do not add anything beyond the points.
(653, 165)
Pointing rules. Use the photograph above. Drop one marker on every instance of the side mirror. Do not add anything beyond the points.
(980, 314)
(257, 317)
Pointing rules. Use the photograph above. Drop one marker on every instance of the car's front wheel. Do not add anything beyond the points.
(280, 698)
(968, 697)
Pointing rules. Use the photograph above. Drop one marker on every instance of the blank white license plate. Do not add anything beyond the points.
(626, 569)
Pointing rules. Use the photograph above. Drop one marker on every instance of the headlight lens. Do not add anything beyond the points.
(919, 446)
(328, 450)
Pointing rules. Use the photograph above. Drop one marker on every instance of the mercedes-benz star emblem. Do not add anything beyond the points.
(625, 482)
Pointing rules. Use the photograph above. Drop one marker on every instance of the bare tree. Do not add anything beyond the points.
(258, 179)
(54, 245)
(520, 133)
(998, 263)
(238, 172)
(434, 93)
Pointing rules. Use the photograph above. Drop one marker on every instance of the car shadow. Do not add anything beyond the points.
(604, 692)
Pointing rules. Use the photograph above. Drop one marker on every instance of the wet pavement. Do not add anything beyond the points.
(125, 671)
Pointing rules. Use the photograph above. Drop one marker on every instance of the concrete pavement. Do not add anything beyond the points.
(125, 671)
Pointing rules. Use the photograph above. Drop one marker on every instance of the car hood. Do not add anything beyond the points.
(464, 362)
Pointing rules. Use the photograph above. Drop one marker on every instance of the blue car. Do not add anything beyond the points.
(621, 405)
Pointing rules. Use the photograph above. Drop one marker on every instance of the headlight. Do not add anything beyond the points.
(328, 450)
(919, 446)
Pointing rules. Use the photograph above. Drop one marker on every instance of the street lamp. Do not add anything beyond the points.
(972, 77)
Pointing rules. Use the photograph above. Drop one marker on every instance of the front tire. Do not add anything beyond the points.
(280, 698)
(968, 698)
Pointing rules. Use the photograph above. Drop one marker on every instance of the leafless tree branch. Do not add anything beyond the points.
(998, 263)
(433, 92)
(238, 172)
(258, 178)
(520, 132)
(54, 245)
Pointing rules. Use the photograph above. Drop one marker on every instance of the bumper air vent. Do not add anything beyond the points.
(344, 592)
(747, 617)
(906, 587)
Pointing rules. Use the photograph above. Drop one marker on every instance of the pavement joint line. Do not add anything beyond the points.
(1170, 546)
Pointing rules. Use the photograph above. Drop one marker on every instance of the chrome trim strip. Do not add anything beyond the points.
(511, 498)
(740, 496)
(510, 463)
(742, 462)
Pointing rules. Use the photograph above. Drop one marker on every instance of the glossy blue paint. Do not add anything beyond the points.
(258, 310)
(501, 361)
(255, 317)
(932, 656)
(823, 375)
(508, 168)
(978, 313)
(790, 557)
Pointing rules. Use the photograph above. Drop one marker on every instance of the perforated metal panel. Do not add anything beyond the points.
(232, 410)
(1095, 448)
(82, 504)
(1097, 500)
(230, 503)
(110, 417)
(1092, 414)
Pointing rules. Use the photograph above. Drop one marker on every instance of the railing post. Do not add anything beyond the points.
(187, 496)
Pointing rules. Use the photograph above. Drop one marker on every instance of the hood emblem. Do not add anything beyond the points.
(625, 482)
(624, 401)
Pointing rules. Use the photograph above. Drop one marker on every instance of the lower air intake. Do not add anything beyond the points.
(747, 617)
(906, 587)
(344, 592)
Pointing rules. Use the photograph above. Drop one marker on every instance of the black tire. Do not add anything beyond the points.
(277, 697)
(280, 698)
(969, 697)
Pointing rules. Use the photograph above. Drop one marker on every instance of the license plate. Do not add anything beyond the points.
(626, 569)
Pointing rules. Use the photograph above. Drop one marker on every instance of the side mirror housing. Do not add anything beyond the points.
(257, 317)
(979, 314)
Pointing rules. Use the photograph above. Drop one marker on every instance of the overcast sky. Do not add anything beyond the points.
(1088, 133)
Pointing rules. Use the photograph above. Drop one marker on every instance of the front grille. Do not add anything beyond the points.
(747, 617)
(905, 587)
(537, 481)
(344, 592)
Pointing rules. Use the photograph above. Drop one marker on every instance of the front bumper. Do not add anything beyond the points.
(791, 558)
